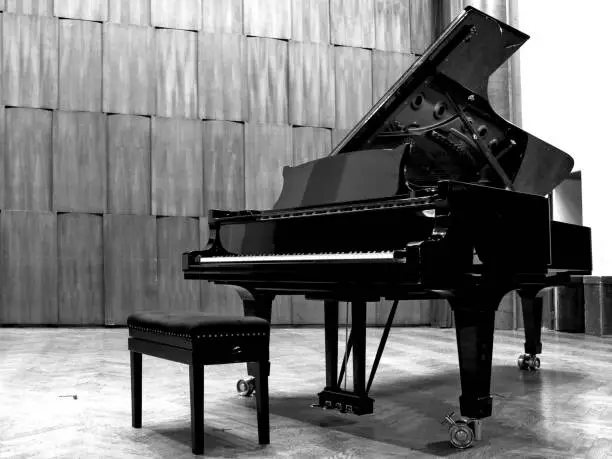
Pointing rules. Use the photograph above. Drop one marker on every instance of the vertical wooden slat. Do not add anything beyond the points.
(353, 85)
(310, 143)
(128, 78)
(176, 235)
(267, 79)
(217, 299)
(222, 79)
(267, 18)
(175, 68)
(27, 164)
(223, 157)
(129, 164)
(80, 75)
(176, 167)
(267, 150)
(177, 14)
(30, 61)
(352, 23)
(392, 25)
(79, 162)
(311, 84)
(32, 7)
(130, 266)
(421, 25)
(338, 135)
(222, 16)
(387, 67)
(28, 268)
(310, 21)
(137, 12)
(89, 10)
(3, 144)
(80, 269)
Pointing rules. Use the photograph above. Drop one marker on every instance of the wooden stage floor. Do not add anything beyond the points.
(563, 410)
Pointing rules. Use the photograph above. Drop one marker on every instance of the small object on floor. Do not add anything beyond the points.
(529, 362)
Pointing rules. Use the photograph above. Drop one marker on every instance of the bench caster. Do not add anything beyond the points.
(246, 387)
(528, 362)
(462, 431)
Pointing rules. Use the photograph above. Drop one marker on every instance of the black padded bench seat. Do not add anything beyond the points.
(199, 339)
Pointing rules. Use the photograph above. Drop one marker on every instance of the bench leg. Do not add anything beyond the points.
(262, 399)
(136, 374)
(196, 384)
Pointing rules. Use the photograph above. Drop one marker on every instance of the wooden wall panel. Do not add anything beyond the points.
(176, 235)
(137, 12)
(504, 317)
(33, 7)
(79, 162)
(338, 135)
(128, 82)
(28, 268)
(30, 61)
(421, 25)
(310, 143)
(310, 21)
(353, 85)
(441, 314)
(130, 266)
(352, 23)
(268, 148)
(80, 74)
(223, 158)
(267, 18)
(217, 299)
(222, 16)
(387, 67)
(312, 86)
(408, 313)
(176, 167)
(267, 79)
(27, 163)
(89, 10)
(392, 25)
(80, 269)
(129, 164)
(222, 80)
(177, 14)
(176, 63)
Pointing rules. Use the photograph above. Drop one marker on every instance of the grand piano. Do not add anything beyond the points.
(431, 195)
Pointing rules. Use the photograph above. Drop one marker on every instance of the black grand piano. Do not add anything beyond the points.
(431, 195)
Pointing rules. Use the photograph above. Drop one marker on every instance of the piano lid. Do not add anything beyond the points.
(443, 97)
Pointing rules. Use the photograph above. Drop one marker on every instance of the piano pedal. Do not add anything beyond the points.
(246, 387)
(529, 362)
(462, 431)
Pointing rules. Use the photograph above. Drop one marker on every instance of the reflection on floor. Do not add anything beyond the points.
(563, 410)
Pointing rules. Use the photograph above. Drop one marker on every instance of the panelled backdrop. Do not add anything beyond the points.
(123, 122)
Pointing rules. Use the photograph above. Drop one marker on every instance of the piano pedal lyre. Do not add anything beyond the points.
(246, 387)
(463, 431)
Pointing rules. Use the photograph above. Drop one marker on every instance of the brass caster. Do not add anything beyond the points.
(246, 387)
(528, 362)
(462, 432)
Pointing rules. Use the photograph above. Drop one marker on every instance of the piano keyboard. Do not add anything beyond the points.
(303, 257)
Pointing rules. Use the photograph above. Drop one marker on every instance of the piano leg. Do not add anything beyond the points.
(330, 308)
(532, 320)
(474, 329)
(258, 306)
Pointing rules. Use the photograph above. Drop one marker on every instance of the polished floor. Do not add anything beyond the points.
(563, 410)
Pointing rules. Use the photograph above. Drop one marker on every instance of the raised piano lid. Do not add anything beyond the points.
(453, 72)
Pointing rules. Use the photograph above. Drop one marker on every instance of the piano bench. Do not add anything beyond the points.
(198, 339)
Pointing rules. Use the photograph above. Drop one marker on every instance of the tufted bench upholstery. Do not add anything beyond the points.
(199, 339)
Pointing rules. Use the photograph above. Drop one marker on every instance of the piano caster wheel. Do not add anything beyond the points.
(528, 362)
(462, 432)
(246, 387)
